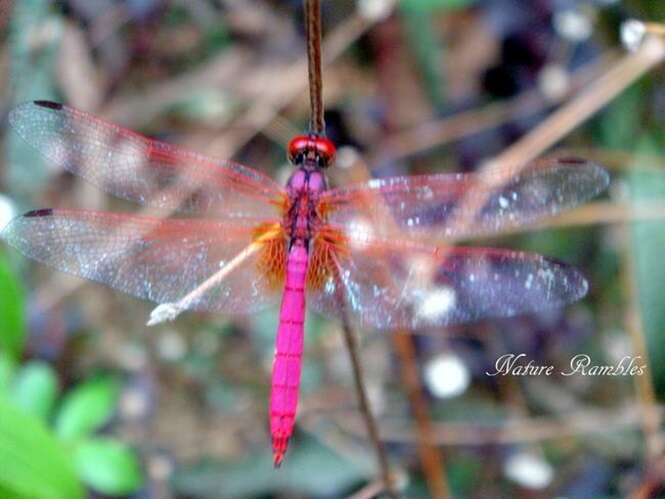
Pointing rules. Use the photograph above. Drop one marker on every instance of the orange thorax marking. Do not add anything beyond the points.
(299, 220)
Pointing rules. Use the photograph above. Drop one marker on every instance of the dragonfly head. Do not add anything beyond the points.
(311, 148)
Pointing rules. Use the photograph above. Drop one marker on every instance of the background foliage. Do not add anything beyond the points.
(91, 402)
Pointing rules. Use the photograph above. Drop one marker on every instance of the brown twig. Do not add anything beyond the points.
(361, 389)
(365, 409)
(652, 484)
(372, 489)
(599, 213)
(514, 430)
(430, 457)
(313, 26)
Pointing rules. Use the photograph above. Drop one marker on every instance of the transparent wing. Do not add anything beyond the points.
(133, 167)
(403, 286)
(422, 206)
(150, 258)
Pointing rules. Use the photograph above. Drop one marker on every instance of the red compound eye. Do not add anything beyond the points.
(299, 145)
(307, 145)
(326, 150)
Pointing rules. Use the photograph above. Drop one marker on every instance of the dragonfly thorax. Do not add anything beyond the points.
(306, 181)
(304, 188)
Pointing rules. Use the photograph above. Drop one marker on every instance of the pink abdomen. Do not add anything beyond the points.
(288, 352)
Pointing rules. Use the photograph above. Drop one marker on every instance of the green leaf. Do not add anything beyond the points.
(622, 120)
(310, 470)
(108, 466)
(87, 408)
(427, 49)
(648, 240)
(35, 389)
(7, 366)
(33, 464)
(12, 318)
(11, 493)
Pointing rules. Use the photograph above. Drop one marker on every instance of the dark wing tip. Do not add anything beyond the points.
(596, 174)
(572, 160)
(22, 114)
(43, 212)
(47, 104)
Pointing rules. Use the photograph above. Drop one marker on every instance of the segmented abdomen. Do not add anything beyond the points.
(288, 352)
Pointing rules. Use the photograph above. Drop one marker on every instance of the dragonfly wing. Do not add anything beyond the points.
(405, 286)
(423, 205)
(150, 258)
(133, 167)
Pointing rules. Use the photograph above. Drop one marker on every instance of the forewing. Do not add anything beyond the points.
(398, 286)
(423, 206)
(150, 258)
(133, 167)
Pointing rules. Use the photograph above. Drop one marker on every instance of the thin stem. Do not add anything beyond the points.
(313, 26)
(511, 430)
(657, 29)
(365, 409)
(430, 457)
(361, 390)
(369, 491)
(652, 482)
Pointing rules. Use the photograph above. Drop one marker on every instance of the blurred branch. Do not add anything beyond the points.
(369, 491)
(287, 85)
(653, 481)
(447, 130)
(430, 457)
(511, 161)
(514, 430)
(225, 71)
(600, 212)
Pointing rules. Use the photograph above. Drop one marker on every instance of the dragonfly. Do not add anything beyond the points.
(238, 241)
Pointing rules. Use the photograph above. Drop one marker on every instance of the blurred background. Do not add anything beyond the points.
(94, 403)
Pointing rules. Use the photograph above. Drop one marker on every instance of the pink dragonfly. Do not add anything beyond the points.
(355, 250)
